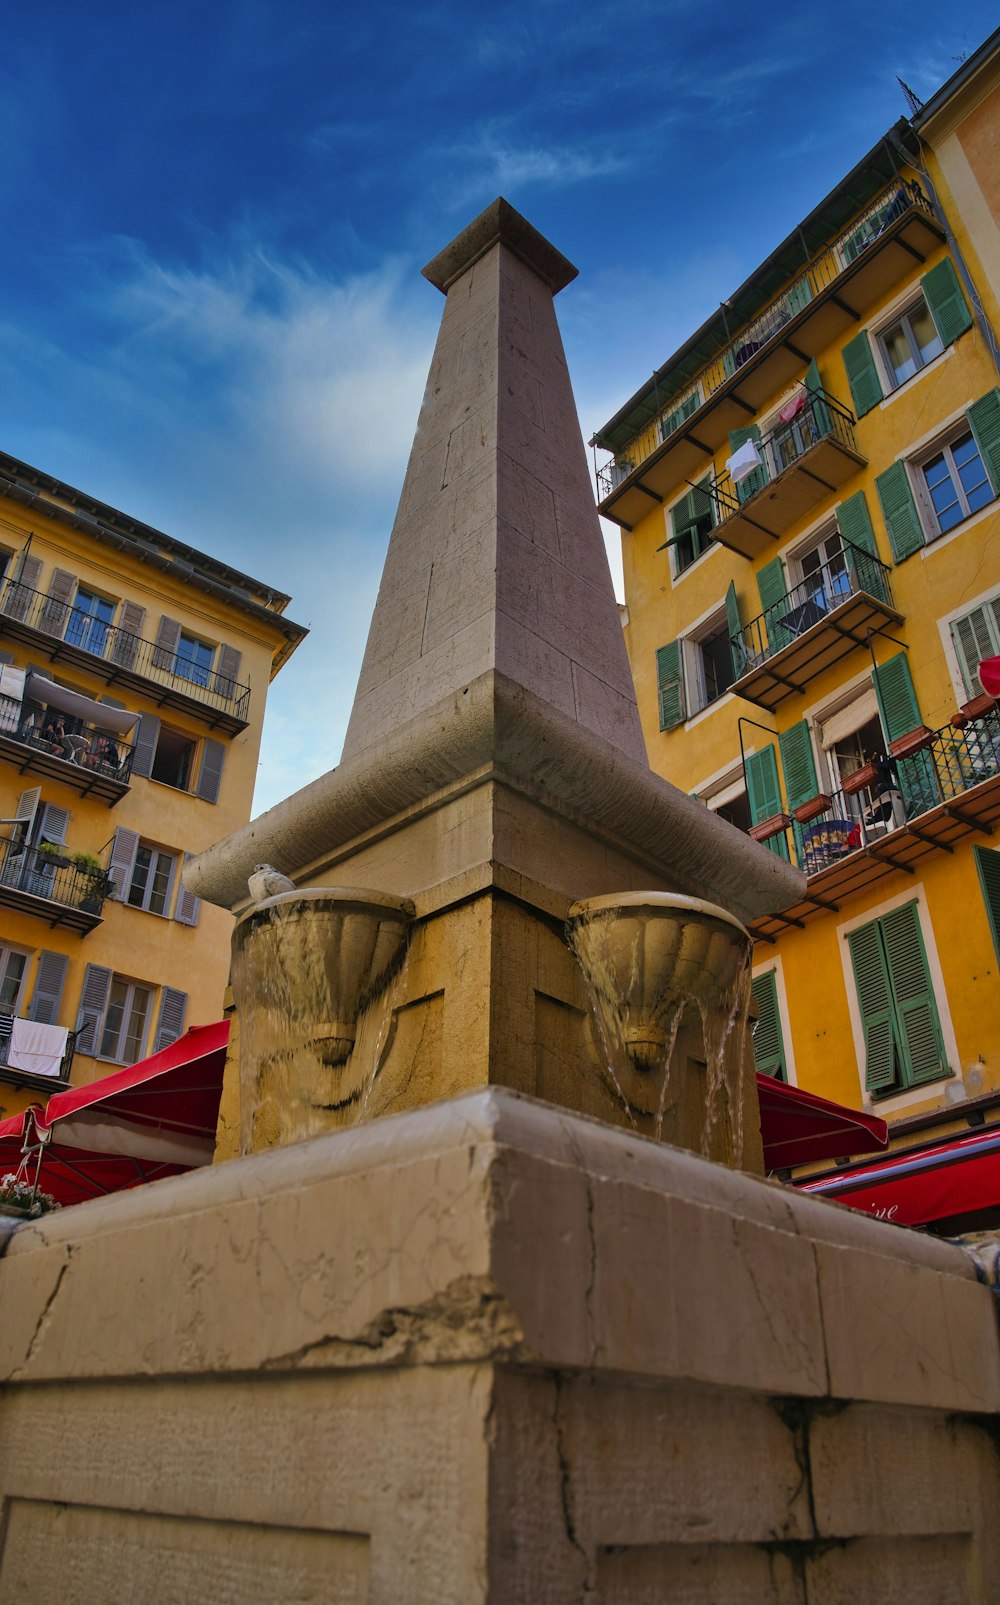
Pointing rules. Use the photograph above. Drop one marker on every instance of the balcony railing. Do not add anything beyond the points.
(25, 1076)
(835, 260)
(819, 419)
(62, 892)
(86, 757)
(127, 656)
(815, 600)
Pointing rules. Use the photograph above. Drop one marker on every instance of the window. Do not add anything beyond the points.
(152, 878)
(954, 483)
(692, 521)
(768, 1045)
(976, 636)
(89, 620)
(194, 660)
(126, 1017)
(903, 1045)
(12, 969)
(173, 759)
(946, 483)
(910, 343)
(736, 811)
(823, 567)
(713, 667)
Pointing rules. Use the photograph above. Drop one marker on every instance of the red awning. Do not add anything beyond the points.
(156, 1119)
(958, 1177)
(989, 676)
(797, 1127)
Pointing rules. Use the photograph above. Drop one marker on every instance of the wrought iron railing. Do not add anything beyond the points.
(823, 271)
(849, 573)
(818, 417)
(949, 763)
(85, 746)
(128, 652)
(65, 1063)
(52, 875)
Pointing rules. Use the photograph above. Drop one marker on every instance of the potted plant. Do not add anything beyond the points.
(51, 855)
(766, 828)
(100, 883)
(861, 778)
(813, 807)
(18, 1197)
(87, 864)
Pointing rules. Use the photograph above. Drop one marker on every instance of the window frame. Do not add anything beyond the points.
(693, 662)
(9, 950)
(917, 470)
(901, 317)
(132, 989)
(156, 853)
(191, 661)
(704, 543)
(903, 1092)
(91, 624)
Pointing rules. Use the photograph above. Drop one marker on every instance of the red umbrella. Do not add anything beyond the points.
(798, 1126)
(989, 676)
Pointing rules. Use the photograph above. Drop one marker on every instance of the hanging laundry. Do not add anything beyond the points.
(743, 461)
(37, 1048)
(792, 408)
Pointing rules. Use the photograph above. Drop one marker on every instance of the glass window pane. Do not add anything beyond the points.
(140, 874)
(971, 472)
(10, 980)
(925, 335)
(897, 348)
(113, 1020)
(160, 884)
(136, 1025)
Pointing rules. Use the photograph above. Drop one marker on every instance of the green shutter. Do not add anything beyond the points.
(916, 1010)
(670, 685)
(758, 479)
(800, 295)
(798, 763)
(774, 600)
(984, 419)
(855, 525)
(878, 1018)
(943, 295)
(764, 793)
(906, 533)
(988, 865)
(733, 621)
(820, 410)
(900, 714)
(768, 1046)
(862, 374)
(676, 417)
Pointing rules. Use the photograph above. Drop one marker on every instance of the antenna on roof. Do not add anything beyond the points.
(913, 101)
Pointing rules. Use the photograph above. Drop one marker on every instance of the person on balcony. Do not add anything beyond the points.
(54, 736)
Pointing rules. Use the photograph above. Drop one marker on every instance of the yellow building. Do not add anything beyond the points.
(133, 677)
(808, 497)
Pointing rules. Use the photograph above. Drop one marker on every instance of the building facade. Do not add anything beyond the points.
(809, 499)
(133, 678)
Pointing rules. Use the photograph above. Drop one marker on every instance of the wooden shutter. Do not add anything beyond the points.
(50, 978)
(19, 594)
(913, 995)
(862, 374)
(54, 824)
(227, 674)
(126, 642)
(900, 713)
(670, 685)
(144, 750)
(56, 607)
(676, 417)
(798, 763)
(121, 864)
(758, 479)
(773, 588)
(878, 1018)
(988, 866)
(171, 1023)
(188, 910)
(167, 641)
(818, 407)
(906, 533)
(855, 525)
(27, 807)
(764, 794)
(947, 304)
(976, 636)
(768, 1046)
(213, 756)
(984, 420)
(93, 1002)
(800, 295)
(734, 625)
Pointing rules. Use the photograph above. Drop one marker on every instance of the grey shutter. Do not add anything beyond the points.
(27, 807)
(125, 645)
(20, 593)
(670, 685)
(228, 671)
(947, 304)
(768, 1047)
(213, 756)
(976, 636)
(171, 1022)
(167, 640)
(984, 419)
(50, 978)
(56, 607)
(188, 910)
(54, 824)
(862, 374)
(6, 658)
(855, 525)
(773, 589)
(93, 1002)
(906, 533)
(144, 750)
(122, 861)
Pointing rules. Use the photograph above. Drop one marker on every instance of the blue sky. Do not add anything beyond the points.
(214, 218)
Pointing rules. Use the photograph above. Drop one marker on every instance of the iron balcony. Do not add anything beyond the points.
(51, 886)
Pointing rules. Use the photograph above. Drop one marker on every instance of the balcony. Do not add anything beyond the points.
(88, 759)
(120, 658)
(24, 1078)
(51, 885)
(815, 624)
(945, 791)
(895, 232)
(803, 459)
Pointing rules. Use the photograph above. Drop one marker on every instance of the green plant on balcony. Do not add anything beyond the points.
(52, 855)
(87, 864)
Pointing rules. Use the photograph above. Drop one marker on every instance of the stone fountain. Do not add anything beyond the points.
(493, 1348)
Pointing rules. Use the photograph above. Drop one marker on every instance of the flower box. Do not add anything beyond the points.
(766, 828)
(813, 808)
(914, 741)
(861, 778)
(979, 706)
